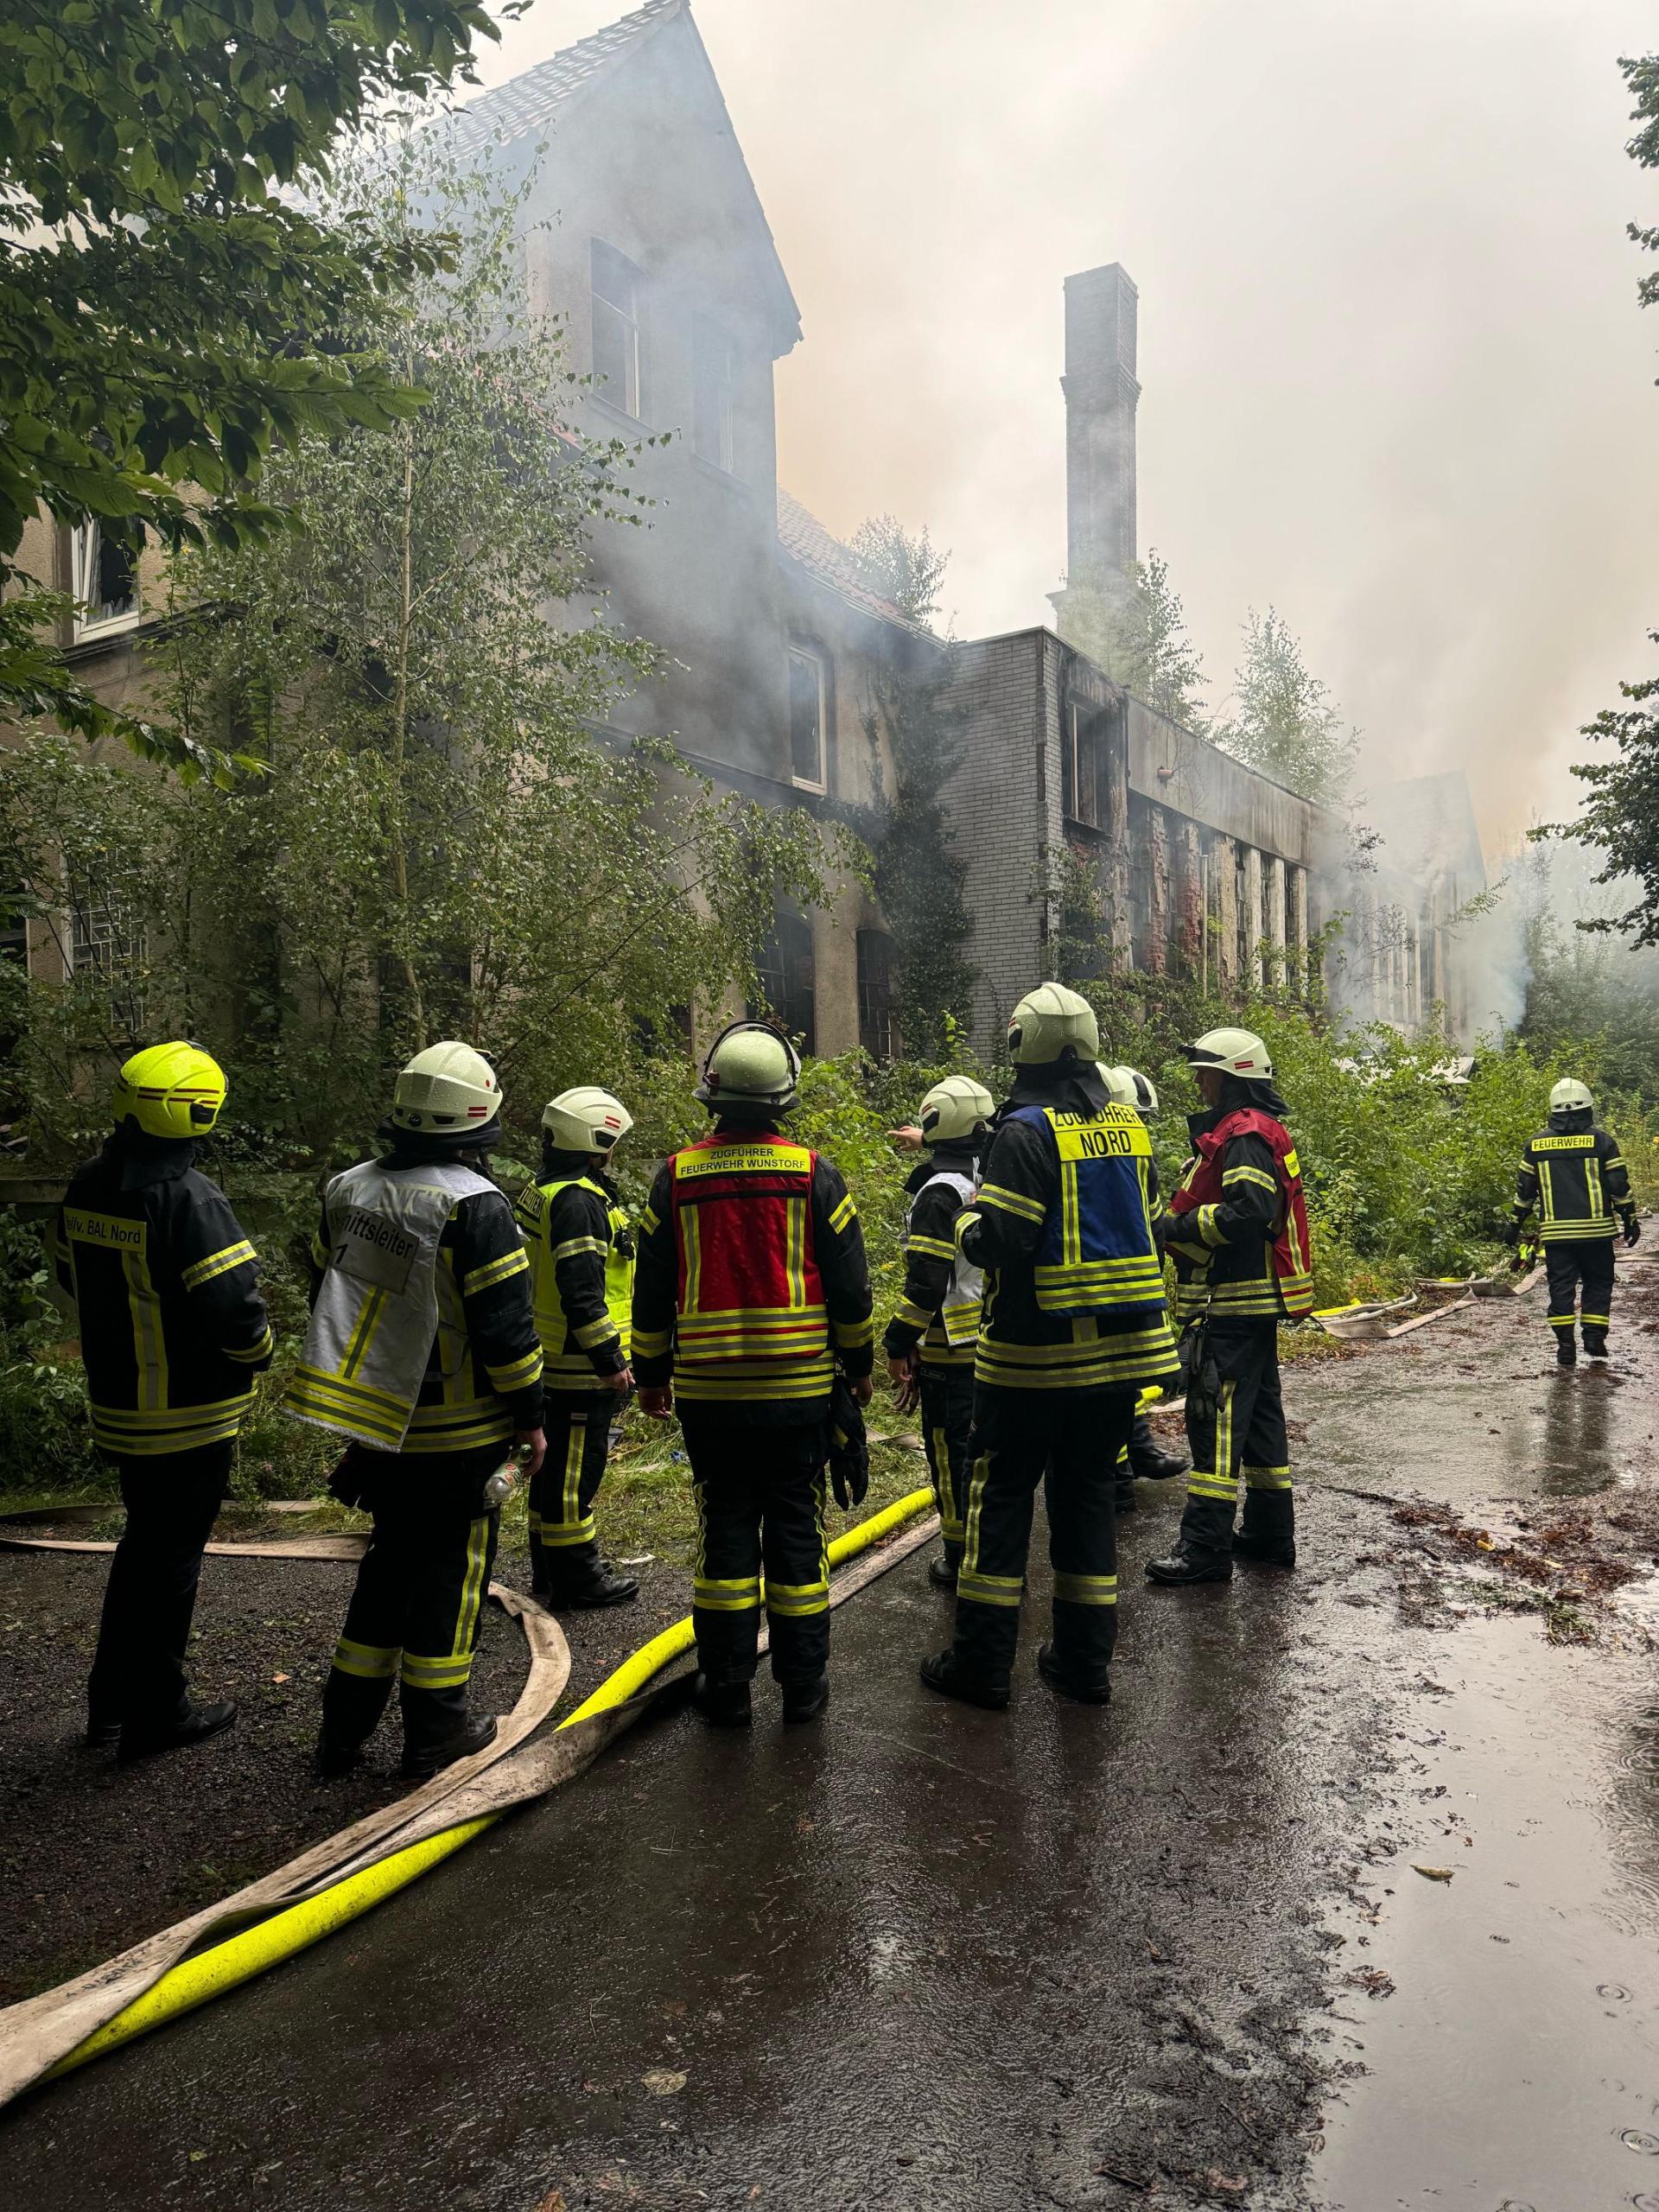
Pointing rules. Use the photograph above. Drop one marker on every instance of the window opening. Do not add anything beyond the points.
(806, 720)
(616, 286)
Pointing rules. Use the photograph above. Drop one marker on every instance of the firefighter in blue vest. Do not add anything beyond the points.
(582, 1285)
(1238, 1232)
(173, 1331)
(930, 1341)
(752, 1306)
(1572, 1176)
(423, 1350)
(1074, 1328)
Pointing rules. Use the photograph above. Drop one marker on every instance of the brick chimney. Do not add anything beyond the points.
(1100, 395)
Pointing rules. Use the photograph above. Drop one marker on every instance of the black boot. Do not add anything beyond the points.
(952, 1677)
(101, 1735)
(334, 1757)
(587, 1583)
(1268, 1534)
(1204, 1550)
(1124, 1498)
(422, 1761)
(1147, 1457)
(193, 1725)
(805, 1696)
(1566, 1352)
(942, 1572)
(1092, 1689)
(1595, 1343)
(722, 1705)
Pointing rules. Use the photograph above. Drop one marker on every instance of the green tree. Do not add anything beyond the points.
(904, 566)
(1138, 634)
(168, 314)
(441, 846)
(1285, 722)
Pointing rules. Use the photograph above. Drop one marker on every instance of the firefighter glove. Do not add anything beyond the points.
(1632, 1229)
(1511, 1235)
(850, 1450)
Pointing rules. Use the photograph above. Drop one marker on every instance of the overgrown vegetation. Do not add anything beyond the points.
(1135, 629)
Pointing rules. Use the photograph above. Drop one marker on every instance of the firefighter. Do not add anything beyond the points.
(751, 1289)
(930, 1340)
(581, 1284)
(173, 1331)
(1238, 1229)
(422, 1351)
(1145, 1457)
(1572, 1177)
(1074, 1328)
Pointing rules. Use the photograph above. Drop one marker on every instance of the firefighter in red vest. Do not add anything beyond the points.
(1238, 1232)
(751, 1290)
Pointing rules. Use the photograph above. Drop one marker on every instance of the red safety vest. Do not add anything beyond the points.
(1292, 1247)
(751, 1321)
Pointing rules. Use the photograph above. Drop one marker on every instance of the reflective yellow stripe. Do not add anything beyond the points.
(471, 1591)
(987, 1589)
(450, 1672)
(494, 1271)
(1249, 1175)
(652, 1343)
(935, 1248)
(217, 1263)
(849, 1335)
(375, 1662)
(265, 1345)
(374, 1305)
(572, 1245)
(1085, 1589)
(519, 1375)
(844, 1213)
(1014, 1202)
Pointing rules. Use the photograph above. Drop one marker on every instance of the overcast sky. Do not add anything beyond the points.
(1395, 382)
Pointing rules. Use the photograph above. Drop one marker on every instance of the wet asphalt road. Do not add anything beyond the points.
(926, 1957)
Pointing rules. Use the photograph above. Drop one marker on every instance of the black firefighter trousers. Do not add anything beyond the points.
(172, 1499)
(563, 1537)
(1587, 1262)
(1076, 1438)
(418, 1605)
(1236, 1426)
(759, 1493)
(947, 1410)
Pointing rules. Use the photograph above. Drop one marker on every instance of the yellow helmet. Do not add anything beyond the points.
(752, 1072)
(447, 1090)
(586, 1119)
(171, 1091)
(1052, 1023)
(953, 1109)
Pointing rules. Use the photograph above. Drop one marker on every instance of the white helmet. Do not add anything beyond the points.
(1235, 1051)
(447, 1090)
(1570, 1097)
(953, 1109)
(753, 1073)
(586, 1119)
(1129, 1087)
(1052, 1023)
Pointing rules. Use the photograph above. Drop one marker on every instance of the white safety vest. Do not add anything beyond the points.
(959, 1314)
(384, 1300)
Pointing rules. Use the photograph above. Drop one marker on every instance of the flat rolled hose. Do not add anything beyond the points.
(199, 1979)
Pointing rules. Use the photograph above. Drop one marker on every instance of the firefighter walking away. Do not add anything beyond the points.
(1238, 1232)
(423, 1350)
(173, 1331)
(1573, 1177)
(581, 1284)
(1074, 1328)
(931, 1339)
(752, 1307)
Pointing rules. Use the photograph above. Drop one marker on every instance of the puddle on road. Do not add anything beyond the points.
(1517, 2063)
(1481, 1413)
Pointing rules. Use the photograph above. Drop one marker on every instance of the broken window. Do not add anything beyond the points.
(877, 1030)
(104, 582)
(787, 977)
(617, 288)
(712, 381)
(1082, 747)
(806, 720)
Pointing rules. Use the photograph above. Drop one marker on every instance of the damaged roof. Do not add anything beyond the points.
(827, 561)
(527, 103)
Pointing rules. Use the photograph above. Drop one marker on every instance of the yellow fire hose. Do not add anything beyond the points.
(199, 1981)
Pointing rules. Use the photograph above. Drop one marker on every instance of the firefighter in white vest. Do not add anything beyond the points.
(581, 1283)
(422, 1351)
(930, 1341)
